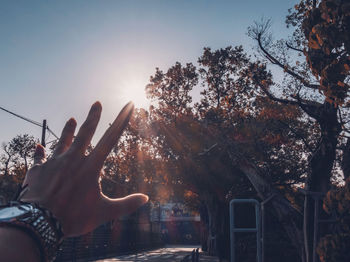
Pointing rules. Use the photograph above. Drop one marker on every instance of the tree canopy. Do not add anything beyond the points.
(249, 135)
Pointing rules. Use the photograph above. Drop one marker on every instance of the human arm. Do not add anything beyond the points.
(17, 246)
(67, 184)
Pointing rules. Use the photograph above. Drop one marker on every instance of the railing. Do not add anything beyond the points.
(235, 229)
(193, 257)
(106, 242)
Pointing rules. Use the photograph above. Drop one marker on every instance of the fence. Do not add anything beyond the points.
(120, 237)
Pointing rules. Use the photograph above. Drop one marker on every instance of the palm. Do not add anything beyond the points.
(67, 184)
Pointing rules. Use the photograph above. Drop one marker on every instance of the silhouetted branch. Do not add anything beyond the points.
(297, 134)
(207, 150)
(276, 99)
(309, 107)
(294, 48)
(275, 61)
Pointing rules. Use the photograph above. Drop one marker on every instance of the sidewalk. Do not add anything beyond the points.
(170, 253)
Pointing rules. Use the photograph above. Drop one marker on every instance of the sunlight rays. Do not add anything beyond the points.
(133, 89)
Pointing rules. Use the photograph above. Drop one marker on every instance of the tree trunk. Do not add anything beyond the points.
(345, 164)
(223, 235)
(218, 237)
(203, 211)
(25, 164)
(321, 165)
(212, 230)
(7, 163)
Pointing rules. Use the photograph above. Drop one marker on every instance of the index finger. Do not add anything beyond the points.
(111, 137)
(87, 130)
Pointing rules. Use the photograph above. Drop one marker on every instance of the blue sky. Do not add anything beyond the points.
(58, 57)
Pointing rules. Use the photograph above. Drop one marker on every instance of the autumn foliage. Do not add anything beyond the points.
(327, 29)
(250, 134)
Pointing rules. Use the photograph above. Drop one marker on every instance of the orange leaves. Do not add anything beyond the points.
(278, 112)
(268, 113)
(264, 83)
(326, 28)
(190, 194)
(240, 137)
(274, 139)
(317, 31)
(341, 84)
(313, 42)
(335, 247)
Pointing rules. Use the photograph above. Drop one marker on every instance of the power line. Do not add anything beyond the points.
(22, 117)
(48, 129)
(29, 120)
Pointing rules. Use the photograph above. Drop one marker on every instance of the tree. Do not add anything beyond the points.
(15, 163)
(233, 121)
(335, 245)
(172, 90)
(318, 86)
(23, 147)
(6, 158)
(133, 165)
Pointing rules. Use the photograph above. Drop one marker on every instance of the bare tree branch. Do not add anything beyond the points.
(297, 134)
(275, 61)
(309, 107)
(294, 48)
(276, 99)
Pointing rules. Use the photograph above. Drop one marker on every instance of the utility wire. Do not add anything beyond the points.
(29, 120)
(22, 117)
(51, 141)
(48, 129)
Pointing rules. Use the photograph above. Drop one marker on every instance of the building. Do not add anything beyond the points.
(177, 224)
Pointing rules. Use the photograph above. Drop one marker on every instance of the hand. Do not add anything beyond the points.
(67, 183)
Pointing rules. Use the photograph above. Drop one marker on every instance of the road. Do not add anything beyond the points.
(169, 253)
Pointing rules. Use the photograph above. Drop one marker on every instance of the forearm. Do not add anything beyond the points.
(17, 246)
(46, 188)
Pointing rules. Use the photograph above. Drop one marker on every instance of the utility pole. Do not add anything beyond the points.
(43, 134)
(43, 126)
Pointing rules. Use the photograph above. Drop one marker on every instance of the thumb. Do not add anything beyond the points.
(126, 205)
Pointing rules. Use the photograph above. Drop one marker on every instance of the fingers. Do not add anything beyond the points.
(66, 137)
(39, 155)
(124, 206)
(110, 137)
(87, 130)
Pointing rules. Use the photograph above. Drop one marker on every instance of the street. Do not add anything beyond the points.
(170, 253)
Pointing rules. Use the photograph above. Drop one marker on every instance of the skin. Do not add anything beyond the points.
(67, 183)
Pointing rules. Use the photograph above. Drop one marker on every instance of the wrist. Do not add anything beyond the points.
(37, 222)
(17, 246)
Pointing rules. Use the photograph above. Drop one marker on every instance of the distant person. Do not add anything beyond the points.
(60, 197)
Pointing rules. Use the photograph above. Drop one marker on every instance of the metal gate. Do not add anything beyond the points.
(256, 229)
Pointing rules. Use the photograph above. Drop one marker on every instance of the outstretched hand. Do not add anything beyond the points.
(67, 183)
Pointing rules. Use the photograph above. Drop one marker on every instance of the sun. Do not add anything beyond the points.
(133, 90)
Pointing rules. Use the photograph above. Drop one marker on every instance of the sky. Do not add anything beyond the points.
(59, 57)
